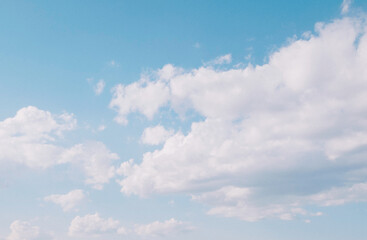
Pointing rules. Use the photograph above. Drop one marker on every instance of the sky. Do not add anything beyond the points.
(240, 120)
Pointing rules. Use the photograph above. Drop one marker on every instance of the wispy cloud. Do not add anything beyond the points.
(113, 63)
(225, 59)
(99, 87)
(345, 6)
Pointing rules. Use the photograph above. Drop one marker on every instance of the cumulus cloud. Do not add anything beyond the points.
(274, 136)
(28, 137)
(170, 227)
(21, 230)
(31, 138)
(99, 87)
(155, 135)
(144, 97)
(67, 201)
(92, 225)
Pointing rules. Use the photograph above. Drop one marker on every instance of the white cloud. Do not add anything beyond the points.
(341, 195)
(155, 135)
(243, 203)
(31, 138)
(67, 201)
(345, 6)
(92, 225)
(225, 59)
(28, 137)
(94, 159)
(143, 97)
(21, 230)
(274, 136)
(170, 227)
(99, 87)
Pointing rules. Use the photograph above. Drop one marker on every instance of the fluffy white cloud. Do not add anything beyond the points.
(274, 136)
(155, 135)
(170, 227)
(99, 87)
(67, 201)
(30, 138)
(22, 230)
(92, 225)
(143, 96)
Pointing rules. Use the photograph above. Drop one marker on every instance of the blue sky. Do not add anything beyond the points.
(183, 120)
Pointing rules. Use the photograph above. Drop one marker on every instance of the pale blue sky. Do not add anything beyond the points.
(259, 120)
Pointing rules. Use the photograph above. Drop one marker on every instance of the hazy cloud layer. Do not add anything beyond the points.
(93, 225)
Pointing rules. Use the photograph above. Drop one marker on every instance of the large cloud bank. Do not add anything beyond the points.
(275, 138)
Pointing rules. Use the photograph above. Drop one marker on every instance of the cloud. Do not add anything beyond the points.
(345, 6)
(225, 59)
(170, 227)
(99, 87)
(113, 63)
(95, 159)
(92, 225)
(67, 201)
(144, 97)
(28, 137)
(274, 136)
(31, 138)
(21, 230)
(155, 135)
(341, 195)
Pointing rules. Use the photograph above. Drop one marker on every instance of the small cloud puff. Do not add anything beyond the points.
(67, 201)
(99, 87)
